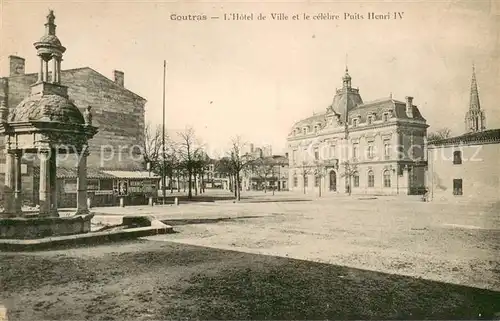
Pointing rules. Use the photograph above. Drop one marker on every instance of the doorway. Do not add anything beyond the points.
(333, 181)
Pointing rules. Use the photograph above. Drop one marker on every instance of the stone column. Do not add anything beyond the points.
(46, 75)
(18, 182)
(45, 188)
(81, 182)
(53, 183)
(10, 183)
(54, 70)
(40, 74)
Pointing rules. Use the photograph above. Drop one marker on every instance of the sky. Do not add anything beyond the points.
(257, 78)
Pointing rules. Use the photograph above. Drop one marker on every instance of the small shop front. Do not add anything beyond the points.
(106, 187)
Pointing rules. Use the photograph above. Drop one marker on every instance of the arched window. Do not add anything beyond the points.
(371, 179)
(356, 179)
(387, 178)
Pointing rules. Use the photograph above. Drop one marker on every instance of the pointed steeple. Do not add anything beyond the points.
(474, 118)
(474, 93)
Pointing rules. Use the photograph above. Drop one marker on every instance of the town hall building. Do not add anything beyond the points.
(358, 147)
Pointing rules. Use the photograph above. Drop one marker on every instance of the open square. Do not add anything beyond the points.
(281, 258)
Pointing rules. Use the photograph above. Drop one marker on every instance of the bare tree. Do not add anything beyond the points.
(238, 162)
(319, 172)
(305, 171)
(151, 146)
(350, 170)
(439, 134)
(188, 150)
(263, 169)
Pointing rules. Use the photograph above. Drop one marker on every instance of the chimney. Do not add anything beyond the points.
(119, 78)
(409, 106)
(251, 148)
(16, 66)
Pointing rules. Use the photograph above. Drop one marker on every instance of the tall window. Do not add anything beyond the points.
(306, 181)
(457, 187)
(356, 179)
(457, 157)
(371, 179)
(294, 156)
(316, 153)
(332, 151)
(370, 150)
(304, 156)
(387, 178)
(355, 122)
(385, 117)
(387, 149)
(295, 181)
(355, 149)
(316, 180)
(369, 120)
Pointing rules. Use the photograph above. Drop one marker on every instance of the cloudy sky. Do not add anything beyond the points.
(256, 78)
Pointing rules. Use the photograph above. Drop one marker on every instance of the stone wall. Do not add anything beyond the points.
(479, 171)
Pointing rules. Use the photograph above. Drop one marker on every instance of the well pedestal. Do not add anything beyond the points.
(39, 227)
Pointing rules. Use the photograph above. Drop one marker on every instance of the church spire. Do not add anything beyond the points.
(474, 118)
(474, 94)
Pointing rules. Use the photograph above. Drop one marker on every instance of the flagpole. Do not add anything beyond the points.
(163, 182)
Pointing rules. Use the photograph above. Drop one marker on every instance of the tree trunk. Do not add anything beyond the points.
(171, 178)
(178, 182)
(238, 192)
(319, 187)
(184, 182)
(195, 184)
(304, 183)
(190, 186)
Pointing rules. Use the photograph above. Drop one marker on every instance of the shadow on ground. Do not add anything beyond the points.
(179, 222)
(163, 280)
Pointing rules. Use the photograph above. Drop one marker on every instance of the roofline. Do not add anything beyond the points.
(80, 68)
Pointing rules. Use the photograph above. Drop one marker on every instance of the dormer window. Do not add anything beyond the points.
(304, 130)
(355, 122)
(385, 117)
(316, 128)
(369, 119)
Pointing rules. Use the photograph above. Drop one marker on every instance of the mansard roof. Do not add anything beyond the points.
(375, 107)
(474, 138)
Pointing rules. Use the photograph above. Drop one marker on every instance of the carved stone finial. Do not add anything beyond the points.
(88, 116)
(51, 17)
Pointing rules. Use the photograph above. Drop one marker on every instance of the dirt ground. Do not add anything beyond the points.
(338, 258)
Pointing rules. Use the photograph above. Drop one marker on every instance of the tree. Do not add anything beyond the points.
(188, 151)
(305, 170)
(238, 163)
(439, 134)
(263, 168)
(350, 170)
(152, 145)
(319, 173)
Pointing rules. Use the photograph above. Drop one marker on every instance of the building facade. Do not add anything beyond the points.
(115, 151)
(358, 147)
(467, 166)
